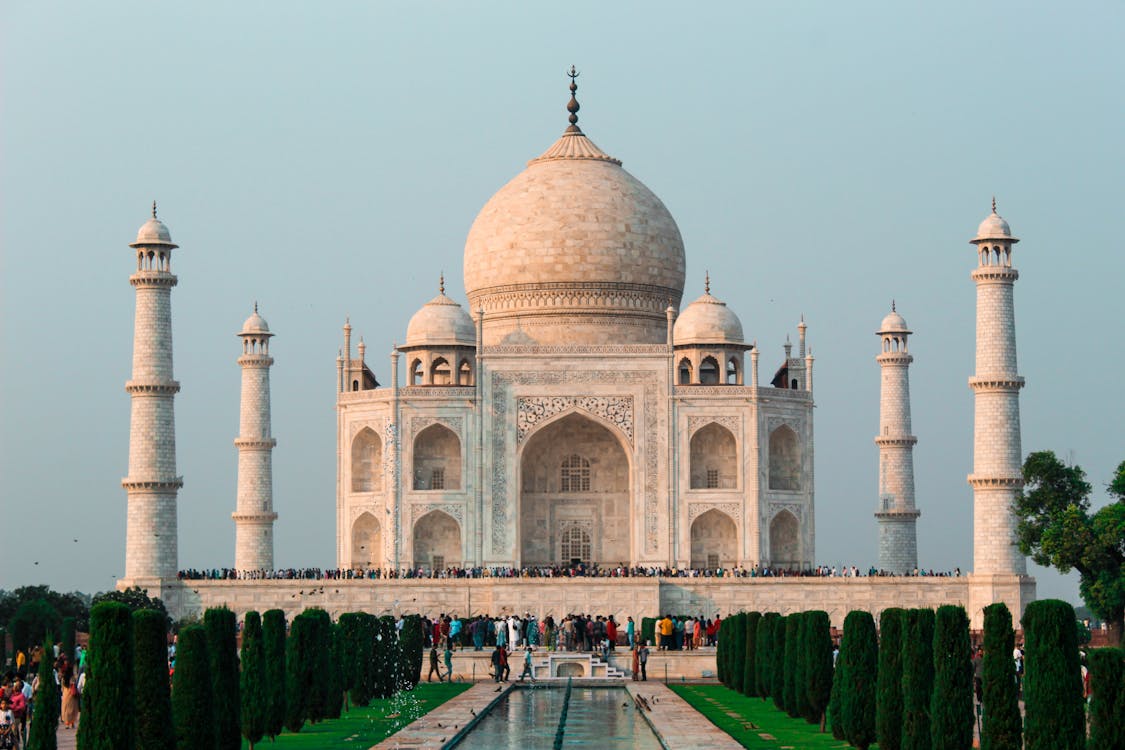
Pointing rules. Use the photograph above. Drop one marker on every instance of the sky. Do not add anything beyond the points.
(327, 159)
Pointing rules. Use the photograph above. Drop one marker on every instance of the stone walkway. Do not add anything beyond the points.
(437, 728)
(677, 723)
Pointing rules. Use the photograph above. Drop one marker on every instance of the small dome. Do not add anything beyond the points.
(893, 323)
(707, 321)
(255, 324)
(441, 322)
(153, 232)
(994, 228)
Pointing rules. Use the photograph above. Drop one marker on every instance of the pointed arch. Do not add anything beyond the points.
(437, 541)
(785, 459)
(713, 458)
(367, 542)
(465, 373)
(709, 371)
(367, 461)
(417, 372)
(785, 540)
(437, 459)
(685, 371)
(734, 371)
(714, 540)
(440, 372)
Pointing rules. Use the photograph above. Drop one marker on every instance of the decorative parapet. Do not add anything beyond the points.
(976, 481)
(160, 388)
(996, 382)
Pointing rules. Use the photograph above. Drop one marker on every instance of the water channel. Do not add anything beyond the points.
(553, 717)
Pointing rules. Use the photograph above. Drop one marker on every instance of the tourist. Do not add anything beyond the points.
(434, 667)
(549, 632)
(455, 630)
(17, 700)
(527, 671)
(642, 660)
(69, 713)
(449, 662)
(636, 661)
(611, 633)
(8, 737)
(630, 632)
(667, 629)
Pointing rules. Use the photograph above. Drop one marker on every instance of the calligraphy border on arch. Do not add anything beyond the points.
(532, 410)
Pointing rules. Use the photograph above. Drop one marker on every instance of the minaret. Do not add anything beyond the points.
(997, 478)
(253, 520)
(152, 484)
(896, 515)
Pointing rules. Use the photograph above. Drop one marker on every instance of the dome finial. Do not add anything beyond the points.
(707, 282)
(893, 306)
(154, 209)
(994, 204)
(255, 307)
(572, 106)
(441, 283)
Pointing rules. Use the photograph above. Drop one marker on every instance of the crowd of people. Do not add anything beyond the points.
(549, 571)
(20, 690)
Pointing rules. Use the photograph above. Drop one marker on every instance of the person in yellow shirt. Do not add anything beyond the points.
(666, 630)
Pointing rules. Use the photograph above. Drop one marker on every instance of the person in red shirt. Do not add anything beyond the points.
(611, 633)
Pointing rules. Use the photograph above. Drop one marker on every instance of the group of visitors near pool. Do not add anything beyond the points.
(20, 689)
(546, 571)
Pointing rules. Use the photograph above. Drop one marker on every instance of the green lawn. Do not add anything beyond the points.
(717, 702)
(363, 727)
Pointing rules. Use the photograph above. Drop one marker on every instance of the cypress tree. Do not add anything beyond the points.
(721, 648)
(801, 662)
(736, 663)
(336, 691)
(222, 636)
(857, 704)
(818, 643)
(750, 660)
(107, 718)
(193, 707)
(836, 699)
(298, 672)
(1052, 692)
(1001, 723)
(1107, 702)
(777, 663)
(69, 633)
(951, 705)
(764, 653)
(789, 675)
(273, 637)
(917, 678)
(888, 701)
(252, 689)
(352, 657)
(153, 700)
(45, 719)
(411, 642)
(389, 657)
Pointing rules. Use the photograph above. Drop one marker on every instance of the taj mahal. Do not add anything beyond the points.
(576, 410)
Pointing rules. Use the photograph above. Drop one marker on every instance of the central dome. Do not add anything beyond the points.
(574, 250)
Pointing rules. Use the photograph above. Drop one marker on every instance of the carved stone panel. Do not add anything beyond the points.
(734, 424)
(417, 424)
(530, 411)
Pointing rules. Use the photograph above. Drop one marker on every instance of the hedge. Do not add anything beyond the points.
(951, 705)
(888, 701)
(222, 650)
(193, 707)
(917, 678)
(857, 701)
(253, 691)
(1053, 704)
(274, 648)
(1107, 702)
(818, 643)
(105, 724)
(153, 698)
(1001, 722)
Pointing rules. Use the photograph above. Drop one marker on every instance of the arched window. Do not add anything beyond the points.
(440, 373)
(793, 384)
(416, 372)
(355, 385)
(785, 541)
(785, 459)
(367, 542)
(465, 373)
(713, 458)
(575, 474)
(367, 462)
(709, 372)
(733, 371)
(996, 256)
(437, 459)
(574, 545)
(685, 371)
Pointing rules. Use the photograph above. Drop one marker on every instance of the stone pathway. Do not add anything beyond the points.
(677, 723)
(437, 728)
(66, 738)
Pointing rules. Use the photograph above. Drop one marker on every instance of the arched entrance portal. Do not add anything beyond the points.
(437, 541)
(367, 542)
(714, 541)
(785, 542)
(574, 495)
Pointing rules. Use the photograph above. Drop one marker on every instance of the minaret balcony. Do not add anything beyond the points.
(259, 443)
(153, 278)
(998, 382)
(977, 481)
(903, 514)
(160, 388)
(157, 485)
(259, 516)
(896, 441)
(1004, 274)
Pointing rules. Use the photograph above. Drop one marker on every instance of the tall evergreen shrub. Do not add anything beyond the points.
(153, 699)
(193, 707)
(1107, 702)
(789, 677)
(917, 678)
(299, 665)
(336, 691)
(764, 653)
(722, 648)
(105, 724)
(1001, 723)
(857, 704)
(836, 699)
(222, 634)
(252, 689)
(888, 701)
(389, 657)
(951, 705)
(801, 690)
(320, 667)
(273, 637)
(818, 644)
(45, 719)
(1052, 682)
(352, 662)
(737, 657)
(777, 663)
(750, 660)
(67, 636)
(411, 640)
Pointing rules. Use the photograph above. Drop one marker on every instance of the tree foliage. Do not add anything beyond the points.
(1107, 704)
(764, 653)
(857, 704)
(134, 598)
(45, 719)
(735, 625)
(1001, 723)
(153, 706)
(818, 644)
(836, 698)
(410, 641)
(789, 676)
(274, 648)
(801, 678)
(888, 691)
(750, 649)
(253, 692)
(1057, 529)
(32, 622)
(1052, 692)
(74, 605)
(951, 705)
(389, 657)
(222, 650)
(67, 636)
(777, 663)
(193, 707)
(917, 678)
(107, 701)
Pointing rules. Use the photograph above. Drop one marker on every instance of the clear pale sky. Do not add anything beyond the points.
(328, 159)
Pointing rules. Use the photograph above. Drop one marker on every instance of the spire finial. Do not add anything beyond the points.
(707, 282)
(154, 209)
(572, 106)
(441, 283)
(255, 307)
(994, 204)
(893, 306)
